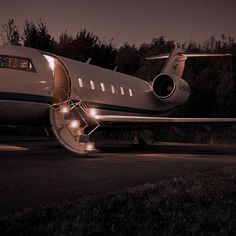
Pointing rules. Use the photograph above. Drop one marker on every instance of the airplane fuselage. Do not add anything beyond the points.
(27, 91)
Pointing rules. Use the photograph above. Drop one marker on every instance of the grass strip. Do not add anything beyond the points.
(200, 204)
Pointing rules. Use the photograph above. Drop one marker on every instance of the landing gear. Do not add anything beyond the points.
(138, 141)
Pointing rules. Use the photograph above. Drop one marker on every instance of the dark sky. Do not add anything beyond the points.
(135, 21)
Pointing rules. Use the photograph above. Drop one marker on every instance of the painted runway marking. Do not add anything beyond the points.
(6, 147)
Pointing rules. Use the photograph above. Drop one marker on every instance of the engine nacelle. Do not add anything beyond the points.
(171, 89)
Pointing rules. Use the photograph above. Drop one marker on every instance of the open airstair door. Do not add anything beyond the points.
(72, 126)
(69, 120)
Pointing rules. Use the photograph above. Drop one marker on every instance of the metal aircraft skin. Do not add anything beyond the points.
(77, 98)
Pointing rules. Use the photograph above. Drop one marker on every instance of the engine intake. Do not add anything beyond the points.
(170, 89)
(163, 86)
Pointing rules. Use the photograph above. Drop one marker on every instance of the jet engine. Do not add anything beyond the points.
(171, 89)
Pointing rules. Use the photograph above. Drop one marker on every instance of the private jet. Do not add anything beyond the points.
(78, 98)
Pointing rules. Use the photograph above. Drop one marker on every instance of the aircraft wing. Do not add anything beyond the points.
(164, 120)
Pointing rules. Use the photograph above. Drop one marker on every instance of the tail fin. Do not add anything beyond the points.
(175, 63)
(176, 60)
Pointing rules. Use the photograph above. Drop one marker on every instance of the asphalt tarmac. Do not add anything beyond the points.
(39, 172)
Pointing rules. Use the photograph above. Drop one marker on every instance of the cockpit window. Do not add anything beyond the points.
(17, 63)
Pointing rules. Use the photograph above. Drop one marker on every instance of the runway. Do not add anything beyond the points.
(38, 172)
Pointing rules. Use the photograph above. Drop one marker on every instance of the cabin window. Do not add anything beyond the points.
(103, 87)
(80, 82)
(16, 63)
(122, 91)
(130, 93)
(92, 85)
(113, 89)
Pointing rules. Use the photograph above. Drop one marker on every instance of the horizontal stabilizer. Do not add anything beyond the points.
(189, 54)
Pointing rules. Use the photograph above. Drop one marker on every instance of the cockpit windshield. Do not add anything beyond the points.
(17, 63)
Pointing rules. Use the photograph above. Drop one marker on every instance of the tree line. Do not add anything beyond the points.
(212, 80)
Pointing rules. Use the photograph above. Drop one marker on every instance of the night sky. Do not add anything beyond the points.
(135, 21)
